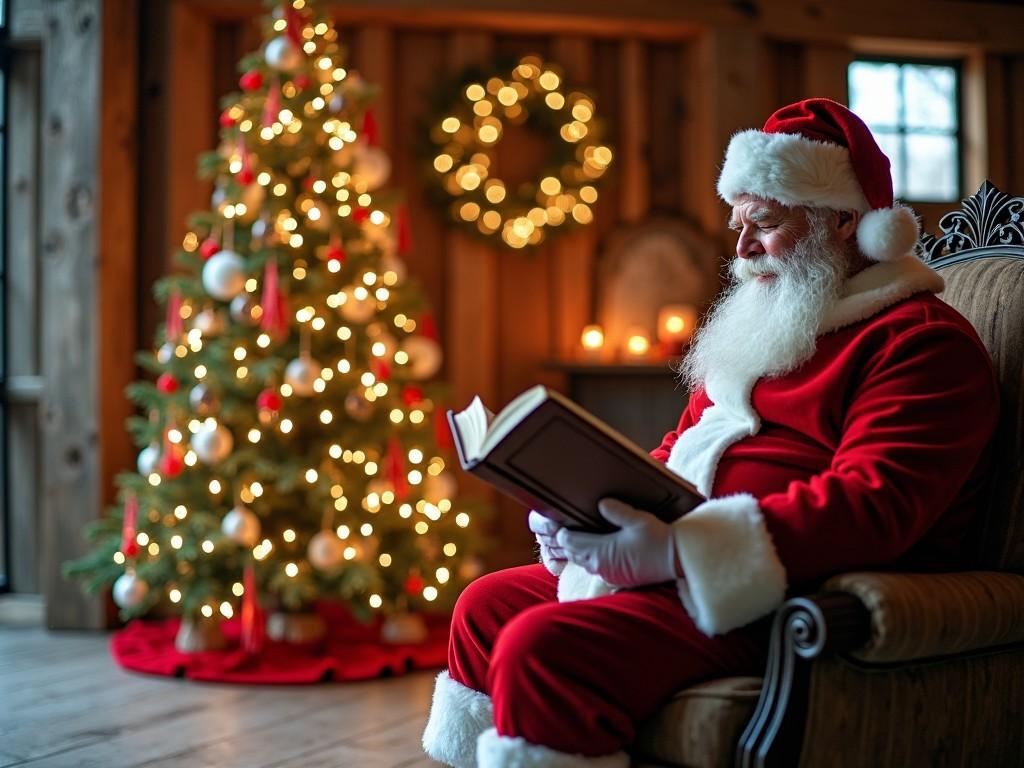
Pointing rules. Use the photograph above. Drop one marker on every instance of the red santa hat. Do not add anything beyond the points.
(818, 153)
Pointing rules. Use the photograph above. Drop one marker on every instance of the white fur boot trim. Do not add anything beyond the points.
(458, 715)
(494, 751)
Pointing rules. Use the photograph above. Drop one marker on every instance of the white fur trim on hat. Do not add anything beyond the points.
(458, 715)
(885, 234)
(792, 169)
(733, 574)
(495, 751)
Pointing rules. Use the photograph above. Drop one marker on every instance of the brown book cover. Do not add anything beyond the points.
(551, 455)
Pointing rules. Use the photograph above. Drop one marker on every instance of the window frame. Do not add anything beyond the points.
(901, 129)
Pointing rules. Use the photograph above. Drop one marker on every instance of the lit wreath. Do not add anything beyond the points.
(465, 131)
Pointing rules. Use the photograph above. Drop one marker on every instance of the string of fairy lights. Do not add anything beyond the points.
(465, 138)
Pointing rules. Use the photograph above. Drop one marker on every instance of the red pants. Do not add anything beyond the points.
(576, 676)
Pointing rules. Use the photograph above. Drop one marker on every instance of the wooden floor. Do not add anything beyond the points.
(65, 703)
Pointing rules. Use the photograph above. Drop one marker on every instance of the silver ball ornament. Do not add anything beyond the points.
(358, 407)
(243, 309)
(326, 551)
(213, 444)
(224, 275)
(425, 356)
(203, 400)
(437, 487)
(300, 375)
(373, 166)
(148, 459)
(242, 526)
(358, 310)
(209, 322)
(282, 55)
(129, 590)
(165, 354)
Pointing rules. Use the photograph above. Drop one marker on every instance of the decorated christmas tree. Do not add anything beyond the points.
(293, 447)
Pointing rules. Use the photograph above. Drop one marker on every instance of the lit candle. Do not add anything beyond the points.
(592, 341)
(675, 327)
(637, 344)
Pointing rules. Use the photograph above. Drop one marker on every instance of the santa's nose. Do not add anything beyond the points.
(749, 247)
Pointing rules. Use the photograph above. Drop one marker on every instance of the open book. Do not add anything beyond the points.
(553, 456)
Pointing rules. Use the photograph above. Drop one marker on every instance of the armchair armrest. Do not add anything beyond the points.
(925, 615)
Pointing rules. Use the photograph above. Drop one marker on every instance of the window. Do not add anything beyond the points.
(913, 110)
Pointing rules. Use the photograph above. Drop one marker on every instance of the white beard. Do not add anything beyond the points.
(768, 328)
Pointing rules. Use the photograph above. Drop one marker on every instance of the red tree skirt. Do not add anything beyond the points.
(350, 651)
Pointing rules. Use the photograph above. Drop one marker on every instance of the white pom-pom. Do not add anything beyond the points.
(888, 233)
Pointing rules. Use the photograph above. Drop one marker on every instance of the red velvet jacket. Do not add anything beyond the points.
(873, 452)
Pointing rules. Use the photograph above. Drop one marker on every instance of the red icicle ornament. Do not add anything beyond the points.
(209, 247)
(381, 370)
(129, 526)
(442, 432)
(272, 106)
(411, 394)
(251, 615)
(396, 469)
(245, 175)
(427, 326)
(294, 21)
(175, 326)
(370, 129)
(273, 320)
(404, 231)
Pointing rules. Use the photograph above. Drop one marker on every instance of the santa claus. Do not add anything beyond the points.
(838, 418)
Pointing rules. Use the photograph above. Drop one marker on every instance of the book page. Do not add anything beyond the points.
(472, 423)
(511, 415)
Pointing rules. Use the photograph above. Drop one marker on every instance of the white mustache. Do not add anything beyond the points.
(744, 269)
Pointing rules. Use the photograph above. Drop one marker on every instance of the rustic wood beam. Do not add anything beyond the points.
(70, 316)
(998, 26)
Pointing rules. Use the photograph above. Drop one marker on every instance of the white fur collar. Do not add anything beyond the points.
(879, 286)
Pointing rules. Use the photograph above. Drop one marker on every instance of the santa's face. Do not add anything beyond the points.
(766, 229)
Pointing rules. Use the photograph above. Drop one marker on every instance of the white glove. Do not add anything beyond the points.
(545, 529)
(641, 552)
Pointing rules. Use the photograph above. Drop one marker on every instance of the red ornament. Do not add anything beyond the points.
(359, 215)
(273, 321)
(269, 400)
(174, 328)
(226, 120)
(381, 370)
(427, 326)
(404, 231)
(246, 177)
(394, 469)
(251, 80)
(167, 384)
(129, 525)
(252, 623)
(443, 433)
(370, 129)
(171, 464)
(411, 395)
(414, 584)
(272, 106)
(301, 82)
(308, 182)
(336, 251)
(208, 248)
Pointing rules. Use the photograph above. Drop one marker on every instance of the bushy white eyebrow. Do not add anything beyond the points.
(759, 214)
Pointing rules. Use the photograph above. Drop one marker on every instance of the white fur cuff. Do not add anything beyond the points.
(733, 574)
(575, 583)
(458, 715)
(494, 751)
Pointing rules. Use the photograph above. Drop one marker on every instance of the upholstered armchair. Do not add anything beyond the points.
(898, 669)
